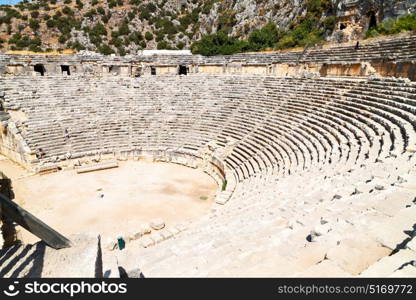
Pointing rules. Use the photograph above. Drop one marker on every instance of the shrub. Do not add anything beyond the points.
(266, 37)
(404, 23)
(124, 28)
(101, 10)
(67, 11)
(112, 3)
(34, 14)
(62, 39)
(79, 4)
(135, 37)
(105, 49)
(76, 46)
(163, 45)
(34, 24)
(217, 44)
(329, 23)
(180, 45)
(148, 36)
(90, 14)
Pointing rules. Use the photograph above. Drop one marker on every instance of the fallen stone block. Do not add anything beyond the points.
(80, 260)
(147, 241)
(157, 224)
(97, 167)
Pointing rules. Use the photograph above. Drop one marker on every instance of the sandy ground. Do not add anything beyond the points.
(113, 202)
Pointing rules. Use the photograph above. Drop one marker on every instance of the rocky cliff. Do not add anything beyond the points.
(125, 26)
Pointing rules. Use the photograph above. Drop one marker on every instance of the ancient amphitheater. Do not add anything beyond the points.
(312, 154)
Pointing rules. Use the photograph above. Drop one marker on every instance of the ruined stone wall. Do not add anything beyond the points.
(392, 57)
(12, 144)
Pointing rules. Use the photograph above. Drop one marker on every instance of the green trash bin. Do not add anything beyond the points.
(121, 243)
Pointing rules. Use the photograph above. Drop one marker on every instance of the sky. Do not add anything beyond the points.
(9, 1)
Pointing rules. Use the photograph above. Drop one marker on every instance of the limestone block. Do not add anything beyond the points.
(74, 262)
(145, 229)
(157, 224)
(412, 244)
(407, 271)
(157, 237)
(393, 231)
(357, 254)
(147, 241)
(326, 268)
(389, 264)
(110, 266)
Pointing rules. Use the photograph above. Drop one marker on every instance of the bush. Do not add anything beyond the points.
(34, 24)
(135, 37)
(67, 11)
(101, 10)
(77, 46)
(105, 49)
(286, 42)
(329, 23)
(34, 14)
(124, 28)
(62, 39)
(80, 5)
(90, 14)
(112, 3)
(266, 37)
(148, 36)
(163, 45)
(404, 23)
(218, 44)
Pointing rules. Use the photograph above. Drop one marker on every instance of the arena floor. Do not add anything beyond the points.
(112, 202)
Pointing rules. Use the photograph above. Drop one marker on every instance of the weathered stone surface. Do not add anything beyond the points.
(326, 268)
(389, 264)
(157, 224)
(357, 254)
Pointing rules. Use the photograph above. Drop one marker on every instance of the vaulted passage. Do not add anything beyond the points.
(39, 69)
(66, 69)
(183, 70)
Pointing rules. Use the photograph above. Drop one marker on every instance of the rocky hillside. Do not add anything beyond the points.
(126, 26)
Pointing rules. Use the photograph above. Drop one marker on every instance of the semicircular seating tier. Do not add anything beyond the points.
(320, 168)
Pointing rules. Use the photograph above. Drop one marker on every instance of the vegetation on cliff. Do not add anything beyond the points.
(305, 30)
(208, 27)
(403, 23)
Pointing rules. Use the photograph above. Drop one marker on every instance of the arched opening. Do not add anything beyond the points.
(342, 26)
(152, 71)
(65, 69)
(39, 69)
(137, 72)
(183, 70)
(372, 20)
